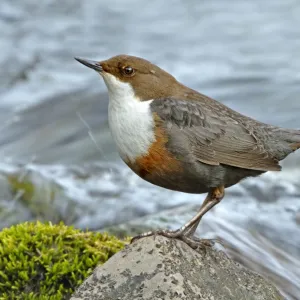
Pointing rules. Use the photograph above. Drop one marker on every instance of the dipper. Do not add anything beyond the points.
(176, 138)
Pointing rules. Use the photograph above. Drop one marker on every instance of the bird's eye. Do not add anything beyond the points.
(128, 71)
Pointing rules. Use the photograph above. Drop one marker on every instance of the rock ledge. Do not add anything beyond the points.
(166, 269)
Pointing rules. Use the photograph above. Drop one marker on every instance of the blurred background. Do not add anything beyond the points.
(58, 161)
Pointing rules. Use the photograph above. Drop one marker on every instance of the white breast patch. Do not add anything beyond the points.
(130, 120)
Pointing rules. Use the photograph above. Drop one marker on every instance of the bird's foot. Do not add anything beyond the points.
(196, 243)
(166, 233)
(201, 244)
(192, 241)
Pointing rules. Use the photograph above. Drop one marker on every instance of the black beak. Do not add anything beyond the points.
(90, 63)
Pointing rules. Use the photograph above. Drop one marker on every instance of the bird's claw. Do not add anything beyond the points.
(192, 241)
(165, 233)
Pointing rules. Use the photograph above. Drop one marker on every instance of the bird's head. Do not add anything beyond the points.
(121, 72)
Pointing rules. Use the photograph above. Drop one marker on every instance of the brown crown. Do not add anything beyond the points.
(148, 80)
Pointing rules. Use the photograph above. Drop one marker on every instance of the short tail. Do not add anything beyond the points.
(283, 142)
(292, 137)
(295, 146)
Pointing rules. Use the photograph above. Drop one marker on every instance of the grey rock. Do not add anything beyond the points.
(166, 269)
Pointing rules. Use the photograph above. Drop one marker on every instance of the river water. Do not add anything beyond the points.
(54, 125)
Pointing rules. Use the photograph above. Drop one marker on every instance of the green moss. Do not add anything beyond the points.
(45, 261)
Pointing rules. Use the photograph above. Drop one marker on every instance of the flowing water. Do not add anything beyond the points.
(54, 130)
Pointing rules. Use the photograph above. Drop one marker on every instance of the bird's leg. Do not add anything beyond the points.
(192, 229)
(189, 237)
(218, 193)
(185, 233)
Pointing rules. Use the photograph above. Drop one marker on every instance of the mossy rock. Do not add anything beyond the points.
(45, 261)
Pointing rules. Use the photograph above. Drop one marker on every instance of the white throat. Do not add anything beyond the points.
(130, 120)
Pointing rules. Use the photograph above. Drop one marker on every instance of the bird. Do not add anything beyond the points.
(179, 139)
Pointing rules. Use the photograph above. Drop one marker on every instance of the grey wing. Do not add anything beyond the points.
(212, 137)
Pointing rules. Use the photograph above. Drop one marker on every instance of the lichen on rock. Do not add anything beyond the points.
(168, 269)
